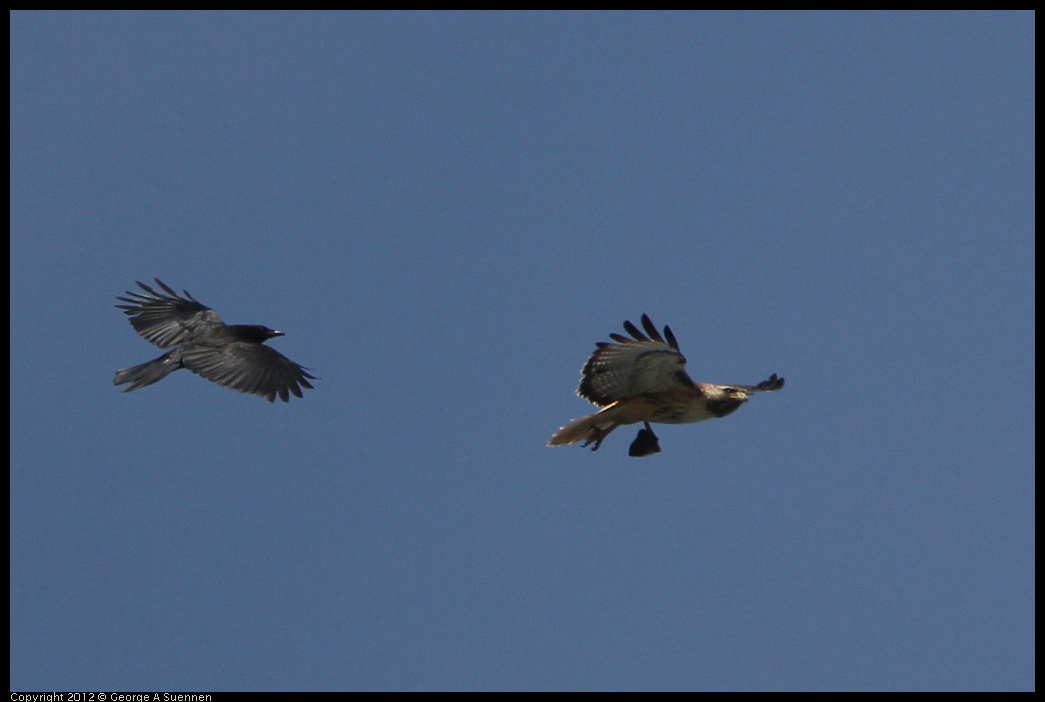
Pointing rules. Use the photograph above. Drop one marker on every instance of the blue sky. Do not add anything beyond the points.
(444, 212)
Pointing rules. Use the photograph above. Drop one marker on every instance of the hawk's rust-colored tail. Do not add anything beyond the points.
(592, 428)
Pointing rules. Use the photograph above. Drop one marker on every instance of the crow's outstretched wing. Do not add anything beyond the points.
(247, 367)
(166, 318)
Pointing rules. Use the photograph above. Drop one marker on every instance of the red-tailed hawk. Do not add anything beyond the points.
(643, 379)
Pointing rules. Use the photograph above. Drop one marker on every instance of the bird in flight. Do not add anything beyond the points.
(643, 379)
(233, 356)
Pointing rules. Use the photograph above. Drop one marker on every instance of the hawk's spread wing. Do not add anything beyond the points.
(772, 385)
(644, 364)
(166, 318)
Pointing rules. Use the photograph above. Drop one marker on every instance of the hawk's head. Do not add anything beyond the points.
(723, 400)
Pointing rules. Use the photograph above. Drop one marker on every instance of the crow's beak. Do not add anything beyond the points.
(277, 333)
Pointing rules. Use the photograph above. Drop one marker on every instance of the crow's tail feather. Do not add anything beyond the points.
(148, 373)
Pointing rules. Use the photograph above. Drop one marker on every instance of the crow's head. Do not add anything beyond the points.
(256, 333)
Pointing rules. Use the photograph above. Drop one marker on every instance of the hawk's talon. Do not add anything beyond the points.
(597, 441)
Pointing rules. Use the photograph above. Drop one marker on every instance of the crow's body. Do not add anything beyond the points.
(230, 355)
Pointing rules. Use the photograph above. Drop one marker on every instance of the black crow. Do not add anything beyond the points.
(230, 355)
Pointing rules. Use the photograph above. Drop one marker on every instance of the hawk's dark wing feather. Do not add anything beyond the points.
(773, 384)
(640, 365)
